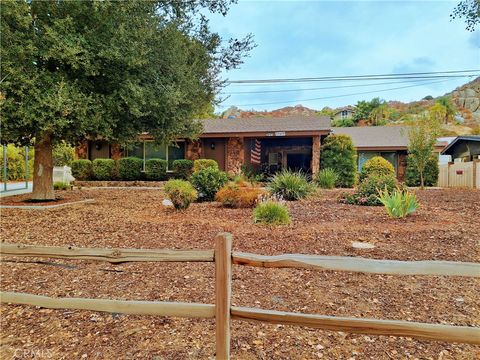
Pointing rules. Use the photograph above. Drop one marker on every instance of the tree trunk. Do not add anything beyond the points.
(422, 182)
(43, 169)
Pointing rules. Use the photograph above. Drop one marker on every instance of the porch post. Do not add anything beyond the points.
(315, 155)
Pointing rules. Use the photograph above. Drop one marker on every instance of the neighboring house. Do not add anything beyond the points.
(265, 143)
(464, 171)
(345, 112)
(464, 148)
(389, 142)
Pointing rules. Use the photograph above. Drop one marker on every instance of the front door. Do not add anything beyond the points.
(215, 149)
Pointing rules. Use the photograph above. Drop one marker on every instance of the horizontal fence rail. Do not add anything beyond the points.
(424, 331)
(223, 312)
(109, 255)
(160, 308)
(358, 264)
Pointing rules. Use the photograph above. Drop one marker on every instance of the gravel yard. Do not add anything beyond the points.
(446, 227)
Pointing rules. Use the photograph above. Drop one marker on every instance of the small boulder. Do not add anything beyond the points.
(167, 203)
(362, 245)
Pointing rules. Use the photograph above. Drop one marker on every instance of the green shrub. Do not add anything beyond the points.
(327, 178)
(201, 164)
(271, 212)
(82, 169)
(16, 162)
(208, 181)
(367, 191)
(104, 169)
(60, 185)
(156, 169)
(339, 154)
(398, 203)
(130, 168)
(63, 154)
(412, 176)
(181, 193)
(290, 185)
(378, 166)
(182, 168)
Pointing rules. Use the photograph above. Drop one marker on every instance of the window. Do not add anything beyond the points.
(364, 156)
(149, 150)
(344, 114)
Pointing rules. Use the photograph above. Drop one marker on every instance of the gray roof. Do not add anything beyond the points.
(375, 136)
(266, 124)
(468, 138)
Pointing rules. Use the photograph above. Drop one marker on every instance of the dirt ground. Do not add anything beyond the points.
(446, 227)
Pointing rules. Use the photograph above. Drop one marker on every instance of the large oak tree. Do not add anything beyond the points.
(109, 69)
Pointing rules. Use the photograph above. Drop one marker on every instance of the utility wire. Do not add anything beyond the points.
(362, 77)
(321, 88)
(338, 96)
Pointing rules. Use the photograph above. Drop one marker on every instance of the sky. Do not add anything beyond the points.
(335, 38)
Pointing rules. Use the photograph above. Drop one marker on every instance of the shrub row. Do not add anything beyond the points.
(129, 169)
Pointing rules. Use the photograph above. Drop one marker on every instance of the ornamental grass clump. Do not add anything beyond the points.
(326, 178)
(399, 203)
(290, 185)
(181, 193)
(271, 212)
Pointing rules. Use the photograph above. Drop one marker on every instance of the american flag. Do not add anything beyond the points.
(255, 152)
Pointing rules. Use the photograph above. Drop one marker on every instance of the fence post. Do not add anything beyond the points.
(223, 287)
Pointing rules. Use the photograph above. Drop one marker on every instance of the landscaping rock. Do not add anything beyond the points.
(362, 245)
(167, 203)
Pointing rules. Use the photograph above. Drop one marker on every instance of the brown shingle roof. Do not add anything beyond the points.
(376, 136)
(266, 124)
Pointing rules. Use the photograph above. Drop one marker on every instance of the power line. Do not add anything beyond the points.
(419, 75)
(321, 88)
(339, 96)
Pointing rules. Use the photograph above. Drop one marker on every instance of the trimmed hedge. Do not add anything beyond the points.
(104, 169)
(82, 169)
(201, 164)
(430, 175)
(183, 168)
(156, 169)
(130, 168)
(339, 154)
(377, 166)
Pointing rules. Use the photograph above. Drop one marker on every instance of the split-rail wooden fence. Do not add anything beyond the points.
(222, 310)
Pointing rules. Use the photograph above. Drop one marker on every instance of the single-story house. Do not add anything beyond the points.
(465, 148)
(268, 144)
(389, 142)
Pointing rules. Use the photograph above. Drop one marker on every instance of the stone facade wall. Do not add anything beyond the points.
(81, 150)
(115, 151)
(316, 154)
(235, 155)
(193, 150)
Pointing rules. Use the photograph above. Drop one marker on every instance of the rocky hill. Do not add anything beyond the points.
(467, 100)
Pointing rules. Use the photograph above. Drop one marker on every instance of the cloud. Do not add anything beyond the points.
(319, 38)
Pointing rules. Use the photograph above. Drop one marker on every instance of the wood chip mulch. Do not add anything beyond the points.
(446, 227)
